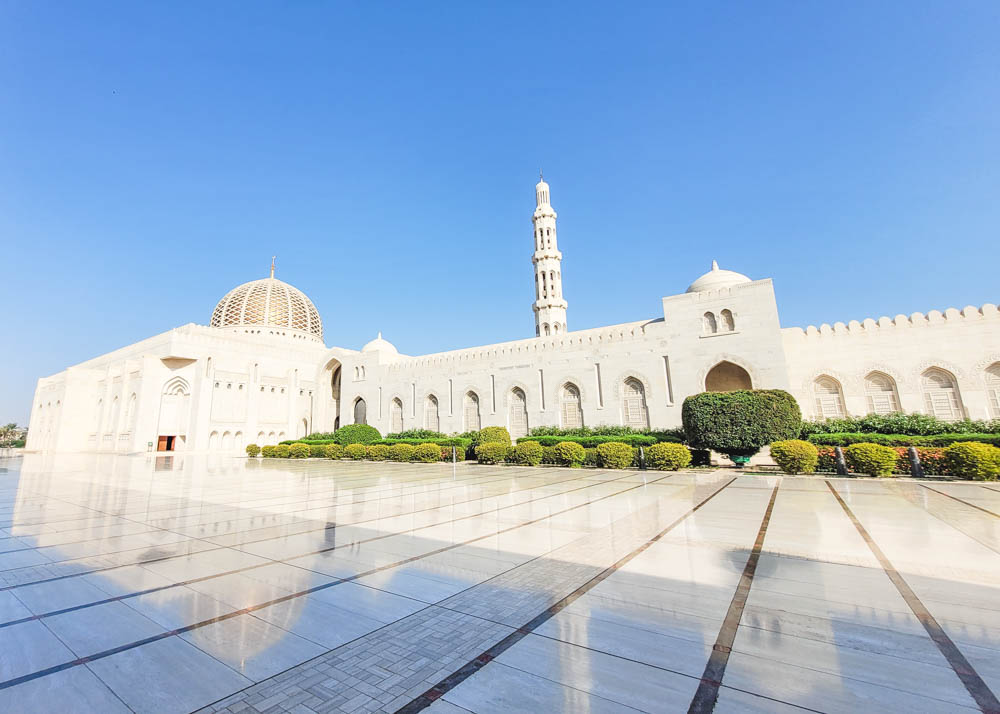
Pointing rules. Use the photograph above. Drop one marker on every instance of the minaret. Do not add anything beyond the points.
(549, 306)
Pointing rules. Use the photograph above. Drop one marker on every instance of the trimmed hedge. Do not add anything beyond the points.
(426, 453)
(281, 451)
(871, 459)
(971, 460)
(668, 457)
(615, 455)
(493, 452)
(356, 434)
(420, 434)
(252, 450)
(298, 451)
(741, 422)
(401, 452)
(459, 453)
(317, 451)
(570, 453)
(267, 452)
(377, 452)
(900, 423)
(493, 434)
(795, 456)
(355, 451)
(528, 453)
(590, 442)
(333, 451)
(848, 438)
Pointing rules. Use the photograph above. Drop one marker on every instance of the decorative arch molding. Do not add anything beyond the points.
(738, 361)
(956, 371)
(509, 389)
(898, 377)
(985, 363)
(839, 377)
(616, 391)
(576, 382)
(177, 385)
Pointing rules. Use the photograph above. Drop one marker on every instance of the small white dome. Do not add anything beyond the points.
(380, 345)
(717, 278)
(269, 302)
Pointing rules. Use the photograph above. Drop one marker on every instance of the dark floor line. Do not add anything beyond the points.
(313, 530)
(293, 596)
(237, 571)
(974, 684)
(962, 501)
(988, 488)
(707, 693)
(474, 665)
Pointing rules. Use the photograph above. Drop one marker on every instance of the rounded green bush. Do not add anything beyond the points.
(252, 450)
(493, 452)
(281, 451)
(569, 453)
(528, 453)
(317, 451)
(741, 422)
(667, 457)
(971, 460)
(427, 453)
(334, 451)
(356, 434)
(795, 456)
(377, 452)
(401, 452)
(493, 434)
(871, 459)
(615, 455)
(355, 451)
(267, 452)
(299, 451)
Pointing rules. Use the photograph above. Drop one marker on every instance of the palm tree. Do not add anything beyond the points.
(8, 434)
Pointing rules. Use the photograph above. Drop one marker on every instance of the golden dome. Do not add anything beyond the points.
(270, 302)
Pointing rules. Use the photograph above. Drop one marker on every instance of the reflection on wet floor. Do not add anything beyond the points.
(171, 583)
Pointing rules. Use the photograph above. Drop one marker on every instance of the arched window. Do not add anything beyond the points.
(113, 426)
(213, 441)
(396, 415)
(261, 438)
(634, 409)
(545, 329)
(708, 324)
(829, 398)
(572, 413)
(360, 411)
(880, 389)
(555, 328)
(727, 377)
(471, 409)
(238, 442)
(941, 397)
(518, 414)
(728, 323)
(993, 389)
(432, 420)
(227, 441)
(130, 412)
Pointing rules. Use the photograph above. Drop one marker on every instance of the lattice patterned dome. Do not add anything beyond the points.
(269, 302)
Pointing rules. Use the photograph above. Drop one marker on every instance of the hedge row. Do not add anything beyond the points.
(593, 441)
(846, 439)
(613, 454)
(900, 423)
(966, 459)
(427, 452)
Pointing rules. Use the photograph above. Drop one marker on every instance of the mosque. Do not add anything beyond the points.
(260, 371)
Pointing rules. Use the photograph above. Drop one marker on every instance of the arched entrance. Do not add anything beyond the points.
(727, 377)
(331, 391)
(173, 421)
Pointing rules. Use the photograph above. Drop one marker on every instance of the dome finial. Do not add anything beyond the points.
(541, 176)
(272, 265)
(379, 335)
(715, 265)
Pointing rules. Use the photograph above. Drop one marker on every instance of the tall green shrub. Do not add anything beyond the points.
(740, 423)
(356, 434)
(493, 434)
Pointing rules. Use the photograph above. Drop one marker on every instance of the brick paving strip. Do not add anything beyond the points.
(407, 665)
(292, 596)
(974, 684)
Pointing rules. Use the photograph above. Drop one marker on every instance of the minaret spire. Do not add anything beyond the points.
(272, 265)
(549, 306)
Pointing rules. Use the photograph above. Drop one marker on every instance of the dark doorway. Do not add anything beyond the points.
(165, 443)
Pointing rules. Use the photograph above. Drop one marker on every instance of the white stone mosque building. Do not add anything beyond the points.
(260, 371)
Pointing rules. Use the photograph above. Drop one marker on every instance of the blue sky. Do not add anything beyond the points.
(155, 155)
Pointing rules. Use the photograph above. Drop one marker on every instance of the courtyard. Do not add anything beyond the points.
(184, 582)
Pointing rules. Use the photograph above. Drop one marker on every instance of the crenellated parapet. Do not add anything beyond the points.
(918, 320)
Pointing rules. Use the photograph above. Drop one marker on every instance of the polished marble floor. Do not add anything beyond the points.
(180, 583)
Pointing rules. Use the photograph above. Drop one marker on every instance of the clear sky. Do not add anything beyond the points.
(155, 155)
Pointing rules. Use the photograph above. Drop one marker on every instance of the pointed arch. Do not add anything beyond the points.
(517, 413)
(470, 408)
(634, 410)
(396, 416)
(708, 324)
(432, 416)
(177, 386)
(360, 411)
(941, 396)
(571, 407)
(829, 398)
(881, 393)
(727, 376)
(728, 323)
(993, 389)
